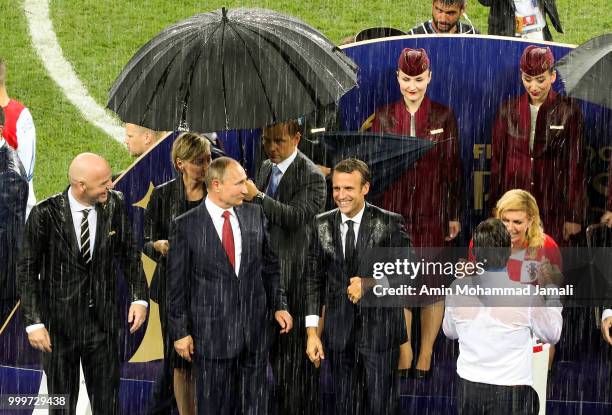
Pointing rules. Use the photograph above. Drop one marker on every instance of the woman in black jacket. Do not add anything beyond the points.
(191, 156)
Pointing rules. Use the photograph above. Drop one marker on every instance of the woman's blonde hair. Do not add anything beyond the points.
(188, 146)
(523, 201)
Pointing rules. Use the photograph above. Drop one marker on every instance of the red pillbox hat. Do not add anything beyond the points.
(413, 62)
(536, 60)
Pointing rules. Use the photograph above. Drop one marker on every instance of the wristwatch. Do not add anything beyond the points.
(260, 196)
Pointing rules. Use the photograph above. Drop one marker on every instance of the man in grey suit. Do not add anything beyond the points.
(292, 193)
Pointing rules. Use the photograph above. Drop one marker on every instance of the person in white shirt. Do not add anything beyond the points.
(19, 133)
(496, 333)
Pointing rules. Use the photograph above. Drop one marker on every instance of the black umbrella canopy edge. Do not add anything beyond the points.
(157, 49)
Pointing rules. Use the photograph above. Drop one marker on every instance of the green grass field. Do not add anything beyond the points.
(99, 36)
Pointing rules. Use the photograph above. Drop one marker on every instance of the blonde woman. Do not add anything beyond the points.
(191, 156)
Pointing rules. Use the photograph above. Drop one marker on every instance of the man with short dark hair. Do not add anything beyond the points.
(362, 343)
(13, 199)
(445, 15)
(294, 193)
(496, 332)
(223, 289)
(523, 18)
(19, 133)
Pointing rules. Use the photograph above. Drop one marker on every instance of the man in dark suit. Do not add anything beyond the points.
(294, 194)
(363, 342)
(223, 286)
(13, 199)
(74, 240)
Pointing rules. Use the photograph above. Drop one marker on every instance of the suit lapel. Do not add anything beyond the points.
(242, 222)
(365, 232)
(100, 227)
(264, 175)
(68, 225)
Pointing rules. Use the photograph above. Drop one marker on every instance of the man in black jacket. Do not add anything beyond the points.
(74, 240)
(13, 199)
(513, 18)
(362, 342)
(295, 193)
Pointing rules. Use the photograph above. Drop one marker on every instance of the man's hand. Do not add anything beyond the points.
(40, 340)
(355, 290)
(284, 320)
(606, 325)
(162, 246)
(184, 347)
(549, 273)
(252, 190)
(454, 227)
(607, 218)
(136, 316)
(314, 347)
(570, 229)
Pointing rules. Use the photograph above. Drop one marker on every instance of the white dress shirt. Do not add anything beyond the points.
(216, 213)
(284, 165)
(76, 210)
(313, 320)
(496, 343)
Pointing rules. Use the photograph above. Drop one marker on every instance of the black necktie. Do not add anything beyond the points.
(349, 246)
(85, 240)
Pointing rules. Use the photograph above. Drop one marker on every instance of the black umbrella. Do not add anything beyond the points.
(587, 71)
(236, 69)
(387, 155)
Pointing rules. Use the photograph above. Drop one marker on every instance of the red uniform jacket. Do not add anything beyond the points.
(427, 195)
(554, 171)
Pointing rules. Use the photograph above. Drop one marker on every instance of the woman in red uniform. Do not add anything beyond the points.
(427, 195)
(537, 146)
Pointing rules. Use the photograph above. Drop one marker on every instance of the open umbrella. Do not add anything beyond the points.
(231, 69)
(388, 155)
(587, 71)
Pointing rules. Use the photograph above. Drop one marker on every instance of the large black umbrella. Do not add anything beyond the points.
(587, 71)
(387, 155)
(231, 69)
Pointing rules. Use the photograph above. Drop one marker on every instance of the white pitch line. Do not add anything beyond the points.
(60, 70)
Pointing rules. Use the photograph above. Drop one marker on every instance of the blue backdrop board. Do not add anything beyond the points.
(471, 74)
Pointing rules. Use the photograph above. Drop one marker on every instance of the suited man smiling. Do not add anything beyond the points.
(294, 193)
(223, 287)
(363, 342)
(73, 240)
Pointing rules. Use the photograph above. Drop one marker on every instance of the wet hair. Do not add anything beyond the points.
(460, 3)
(188, 146)
(522, 201)
(216, 170)
(351, 165)
(2, 119)
(293, 126)
(492, 243)
(2, 71)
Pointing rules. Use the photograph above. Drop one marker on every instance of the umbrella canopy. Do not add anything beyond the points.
(231, 69)
(587, 71)
(387, 155)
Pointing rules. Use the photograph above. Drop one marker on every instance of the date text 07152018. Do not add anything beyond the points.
(33, 401)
